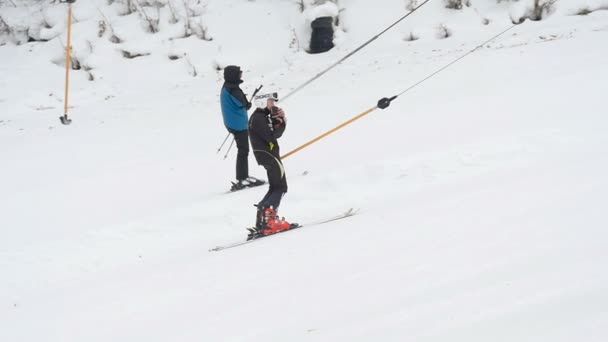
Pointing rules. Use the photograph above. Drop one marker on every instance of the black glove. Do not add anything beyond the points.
(277, 115)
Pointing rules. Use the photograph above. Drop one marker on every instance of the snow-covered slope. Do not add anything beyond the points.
(482, 192)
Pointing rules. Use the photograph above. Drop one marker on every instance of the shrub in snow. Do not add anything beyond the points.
(195, 8)
(101, 28)
(151, 3)
(191, 68)
(173, 14)
(411, 37)
(589, 10)
(411, 4)
(199, 29)
(443, 32)
(150, 23)
(457, 4)
(542, 8)
(217, 66)
(192, 15)
(131, 55)
(128, 6)
(5, 32)
(295, 42)
(103, 25)
(531, 9)
(584, 11)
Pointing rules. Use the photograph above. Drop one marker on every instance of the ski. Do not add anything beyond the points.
(239, 187)
(350, 212)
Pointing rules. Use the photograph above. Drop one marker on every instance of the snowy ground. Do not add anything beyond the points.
(482, 192)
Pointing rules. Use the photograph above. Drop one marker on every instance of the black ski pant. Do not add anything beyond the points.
(242, 144)
(277, 181)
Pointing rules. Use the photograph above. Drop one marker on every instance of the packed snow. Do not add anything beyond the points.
(482, 192)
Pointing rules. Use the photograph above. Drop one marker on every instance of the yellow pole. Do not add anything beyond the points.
(68, 60)
(330, 132)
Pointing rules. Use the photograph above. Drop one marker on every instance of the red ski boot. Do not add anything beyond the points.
(272, 223)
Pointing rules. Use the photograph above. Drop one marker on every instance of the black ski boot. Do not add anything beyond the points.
(260, 224)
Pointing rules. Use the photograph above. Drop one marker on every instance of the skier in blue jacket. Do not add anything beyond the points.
(234, 110)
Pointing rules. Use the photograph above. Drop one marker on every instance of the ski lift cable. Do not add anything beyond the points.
(455, 61)
(385, 102)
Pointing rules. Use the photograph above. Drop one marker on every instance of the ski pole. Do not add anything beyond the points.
(68, 58)
(257, 90)
(222, 145)
(229, 147)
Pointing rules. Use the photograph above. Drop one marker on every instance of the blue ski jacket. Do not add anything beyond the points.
(233, 101)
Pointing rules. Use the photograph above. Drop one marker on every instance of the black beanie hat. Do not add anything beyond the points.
(232, 74)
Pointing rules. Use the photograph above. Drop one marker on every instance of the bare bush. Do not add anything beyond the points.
(102, 28)
(199, 29)
(217, 67)
(4, 28)
(194, 8)
(193, 21)
(76, 65)
(152, 24)
(173, 19)
(539, 10)
(411, 37)
(192, 70)
(89, 70)
(443, 32)
(542, 8)
(5, 31)
(295, 42)
(410, 5)
(128, 7)
(131, 55)
(457, 4)
(584, 11)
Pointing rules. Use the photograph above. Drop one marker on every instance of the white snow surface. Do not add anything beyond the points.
(482, 192)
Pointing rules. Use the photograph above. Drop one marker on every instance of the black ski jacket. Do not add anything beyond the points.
(263, 133)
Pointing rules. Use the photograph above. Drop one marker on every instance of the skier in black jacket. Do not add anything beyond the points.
(266, 126)
(234, 111)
